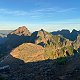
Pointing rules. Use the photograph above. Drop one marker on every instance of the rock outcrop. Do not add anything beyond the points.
(41, 37)
(21, 31)
(41, 56)
(77, 42)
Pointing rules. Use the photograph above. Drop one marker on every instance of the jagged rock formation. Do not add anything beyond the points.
(29, 52)
(67, 34)
(64, 33)
(77, 42)
(41, 37)
(74, 34)
(21, 31)
(54, 45)
(41, 56)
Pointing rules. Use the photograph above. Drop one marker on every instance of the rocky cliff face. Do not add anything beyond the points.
(29, 52)
(41, 37)
(77, 42)
(41, 56)
(54, 46)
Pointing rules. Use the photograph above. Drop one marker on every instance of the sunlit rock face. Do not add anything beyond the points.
(41, 37)
(29, 52)
(21, 31)
(18, 37)
(78, 41)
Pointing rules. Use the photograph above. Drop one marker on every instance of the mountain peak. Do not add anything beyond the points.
(42, 30)
(41, 37)
(21, 31)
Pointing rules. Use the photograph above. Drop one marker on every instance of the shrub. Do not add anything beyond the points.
(70, 50)
(61, 60)
(40, 38)
(60, 44)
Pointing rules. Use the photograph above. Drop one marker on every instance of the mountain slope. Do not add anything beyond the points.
(67, 34)
(41, 56)
(29, 52)
(21, 31)
(17, 37)
(41, 37)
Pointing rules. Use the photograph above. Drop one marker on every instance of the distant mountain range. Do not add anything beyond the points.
(60, 41)
(12, 39)
(5, 31)
(39, 55)
(3, 35)
(67, 34)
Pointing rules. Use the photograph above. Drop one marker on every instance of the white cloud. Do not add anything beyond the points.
(66, 10)
(6, 11)
(34, 27)
(37, 12)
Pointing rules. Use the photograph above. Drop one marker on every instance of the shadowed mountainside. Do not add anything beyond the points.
(15, 38)
(40, 56)
(66, 33)
(41, 37)
(55, 45)
(3, 38)
(68, 68)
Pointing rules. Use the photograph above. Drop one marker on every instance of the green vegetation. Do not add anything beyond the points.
(49, 53)
(70, 50)
(49, 43)
(60, 44)
(61, 60)
(63, 49)
(40, 38)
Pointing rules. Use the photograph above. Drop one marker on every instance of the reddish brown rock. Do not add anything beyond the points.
(21, 31)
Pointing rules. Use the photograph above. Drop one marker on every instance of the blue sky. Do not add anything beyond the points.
(36, 14)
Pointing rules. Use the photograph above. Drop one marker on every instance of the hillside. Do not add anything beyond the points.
(54, 45)
(16, 38)
(39, 56)
(58, 69)
(41, 37)
(67, 34)
(29, 52)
